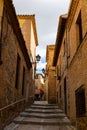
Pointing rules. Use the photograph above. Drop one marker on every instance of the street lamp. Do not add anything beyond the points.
(44, 71)
(38, 57)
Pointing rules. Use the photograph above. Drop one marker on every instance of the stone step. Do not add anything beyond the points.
(71, 128)
(43, 111)
(35, 104)
(41, 117)
(14, 126)
(39, 121)
(44, 107)
(55, 115)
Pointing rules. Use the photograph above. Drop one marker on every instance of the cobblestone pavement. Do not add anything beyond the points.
(41, 116)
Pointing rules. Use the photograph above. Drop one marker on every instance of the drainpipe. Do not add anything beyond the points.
(1, 13)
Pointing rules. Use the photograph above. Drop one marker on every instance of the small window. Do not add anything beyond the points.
(80, 101)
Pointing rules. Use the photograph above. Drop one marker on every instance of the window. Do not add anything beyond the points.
(79, 28)
(80, 101)
(23, 81)
(17, 71)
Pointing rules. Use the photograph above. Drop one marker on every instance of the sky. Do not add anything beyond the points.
(47, 14)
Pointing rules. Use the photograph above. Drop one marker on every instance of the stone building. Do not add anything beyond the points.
(50, 75)
(72, 83)
(46, 86)
(77, 62)
(28, 28)
(60, 62)
(15, 65)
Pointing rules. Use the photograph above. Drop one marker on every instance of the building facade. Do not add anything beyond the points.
(77, 61)
(72, 83)
(60, 62)
(50, 75)
(28, 28)
(15, 66)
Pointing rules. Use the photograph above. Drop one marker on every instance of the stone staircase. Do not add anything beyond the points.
(44, 115)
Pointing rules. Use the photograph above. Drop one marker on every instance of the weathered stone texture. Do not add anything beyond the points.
(51, 85)
(77, 73)
(50, 77)
(12, 99)
(76, 56)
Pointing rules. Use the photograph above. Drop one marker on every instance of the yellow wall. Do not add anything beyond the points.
(26, 31)
(1, 11)
(27, 27)
(32, 44)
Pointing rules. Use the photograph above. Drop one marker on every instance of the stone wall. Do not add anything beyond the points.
(61, 74)
(11, 111)
(77, 76)
(51, 85)
(50, 75)
(74, 70)
(81, 123)
(12, 98)
(77, 61)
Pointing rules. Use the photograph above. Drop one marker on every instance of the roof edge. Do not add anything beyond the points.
(60, 32)
(16, 28)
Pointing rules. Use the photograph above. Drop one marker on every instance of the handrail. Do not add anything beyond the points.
(12, 104)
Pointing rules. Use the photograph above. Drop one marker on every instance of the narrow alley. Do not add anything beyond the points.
(43, 65)
(41, 116)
